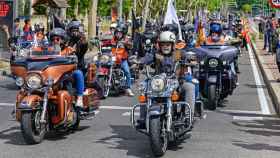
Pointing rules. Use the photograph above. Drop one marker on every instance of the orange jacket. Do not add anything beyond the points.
(119, 52)
(209, 41)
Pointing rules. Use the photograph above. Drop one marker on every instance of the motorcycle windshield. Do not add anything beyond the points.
(223, 52)
(40, 52)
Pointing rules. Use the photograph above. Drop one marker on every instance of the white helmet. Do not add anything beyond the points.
(167, 36)
(113, 25)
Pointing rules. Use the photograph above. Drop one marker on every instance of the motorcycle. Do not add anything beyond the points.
(109, 73)
(46, 99)
(165, 119)
(217, 74)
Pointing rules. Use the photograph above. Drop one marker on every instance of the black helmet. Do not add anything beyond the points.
(74, 29)
(172, 28)
(58, 32)
(39, 27)
(122, 28)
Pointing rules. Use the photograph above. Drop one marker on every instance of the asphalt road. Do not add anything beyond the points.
(237, 130)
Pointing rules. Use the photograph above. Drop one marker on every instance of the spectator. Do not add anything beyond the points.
(27, 30)
(268, 34)
(17, 31)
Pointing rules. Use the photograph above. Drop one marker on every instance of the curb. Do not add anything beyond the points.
(271, 91)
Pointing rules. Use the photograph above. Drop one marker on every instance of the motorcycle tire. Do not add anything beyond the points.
(106, 89)
(77, 118)
(212, 100)
(158, 140)
(30, 134)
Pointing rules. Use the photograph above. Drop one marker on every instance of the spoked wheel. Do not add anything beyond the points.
(104, 84)
(158, 137)
(32, 129)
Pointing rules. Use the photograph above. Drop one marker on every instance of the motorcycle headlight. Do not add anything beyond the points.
(213, 63)
(142, 86)
(22, 53)
(104, 59)
(148, 41)
(19, 81)
(174, 84)
(34, 81)
(157, 84)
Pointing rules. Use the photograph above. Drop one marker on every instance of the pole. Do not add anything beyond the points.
(120, 12)
(146, 11)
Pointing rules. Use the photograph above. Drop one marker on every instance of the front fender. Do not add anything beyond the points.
(30, 102)
(212, 79)
(155, 110)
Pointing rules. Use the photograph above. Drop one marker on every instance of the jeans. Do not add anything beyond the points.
(79, 82)
(125, 68)
(268, 40)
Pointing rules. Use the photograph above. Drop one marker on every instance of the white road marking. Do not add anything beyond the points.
(241, 111)
(128, 114)
(115, 107)
(7, 104)
(261, 94)
(246, 118)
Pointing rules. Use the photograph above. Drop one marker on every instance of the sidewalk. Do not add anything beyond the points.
(270, 72)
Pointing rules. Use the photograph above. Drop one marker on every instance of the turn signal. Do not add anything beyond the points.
(175, 96)
(142, 99)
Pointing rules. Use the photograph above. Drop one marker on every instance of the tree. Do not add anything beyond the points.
(92, 16)
(247, 8)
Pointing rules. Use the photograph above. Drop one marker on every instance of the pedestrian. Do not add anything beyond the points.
(27, 30)
(268, 35)
(17, 31)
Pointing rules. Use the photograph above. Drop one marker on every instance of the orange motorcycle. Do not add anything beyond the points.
(46, 100)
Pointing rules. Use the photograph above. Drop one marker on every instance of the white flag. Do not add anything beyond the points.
(171, 17)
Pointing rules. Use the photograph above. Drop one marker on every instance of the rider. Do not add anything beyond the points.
(165, 57)
(39, 37)
(121, 45)
(215, 36)
(58, 40)
(77, 40)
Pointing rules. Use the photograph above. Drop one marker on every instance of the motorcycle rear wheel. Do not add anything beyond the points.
(158, 139)
(103, 82)
(32, 130)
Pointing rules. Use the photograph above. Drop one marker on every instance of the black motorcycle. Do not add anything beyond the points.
(163, 117)
(217, 73)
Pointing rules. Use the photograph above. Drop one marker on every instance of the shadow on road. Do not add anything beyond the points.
(126, 138)
(10, 86)
(256, 146)
(13, 135)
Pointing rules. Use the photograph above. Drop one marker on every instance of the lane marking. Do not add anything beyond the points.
(241, 112)
(115, 107)
(7, 104)
(246, 118)
(128, 114)
(261, 94)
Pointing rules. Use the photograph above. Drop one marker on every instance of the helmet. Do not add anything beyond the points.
(113, 25)
(122, 28)
(39, 27)
(58, 32)
(216, 28)
(172, 28)
(74, 29)
(167, 36)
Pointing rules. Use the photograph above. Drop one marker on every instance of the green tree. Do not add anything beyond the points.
(246, 8)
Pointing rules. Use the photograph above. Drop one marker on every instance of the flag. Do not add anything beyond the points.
(171, 17)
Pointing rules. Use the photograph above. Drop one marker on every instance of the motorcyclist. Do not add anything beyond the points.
(77, 40)
(165, 60)
(58, 43)
(215, 37)
(121, 44)
(39, 37)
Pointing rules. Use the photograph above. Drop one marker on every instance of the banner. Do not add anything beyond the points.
(6, 14)
(171, 17)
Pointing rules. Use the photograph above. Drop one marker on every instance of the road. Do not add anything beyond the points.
(239, 129)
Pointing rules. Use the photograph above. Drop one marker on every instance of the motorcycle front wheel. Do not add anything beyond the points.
(212, 99)
(32, 129)
(158, 138)
(103, 82)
